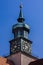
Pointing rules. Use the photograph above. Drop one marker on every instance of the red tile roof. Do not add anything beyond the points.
(5, 61)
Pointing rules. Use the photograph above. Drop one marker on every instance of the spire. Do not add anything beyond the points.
(21, 18)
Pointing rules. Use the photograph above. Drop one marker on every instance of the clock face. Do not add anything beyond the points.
(26, 47)
(15, 46)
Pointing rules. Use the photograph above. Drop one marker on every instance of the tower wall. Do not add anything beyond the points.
(16, 58)
(21, 59)
(25, 60)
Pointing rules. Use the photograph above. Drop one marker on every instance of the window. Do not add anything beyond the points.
(20, 32)
(26, 34)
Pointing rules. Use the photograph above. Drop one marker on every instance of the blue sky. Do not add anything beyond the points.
(33, 14)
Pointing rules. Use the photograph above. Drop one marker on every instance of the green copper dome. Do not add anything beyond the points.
(21, 25)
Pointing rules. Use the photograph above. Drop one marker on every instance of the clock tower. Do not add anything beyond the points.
(20, 46)
(20, 31)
